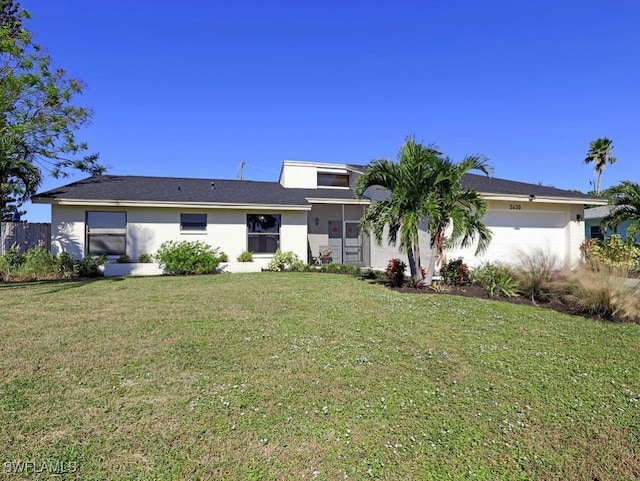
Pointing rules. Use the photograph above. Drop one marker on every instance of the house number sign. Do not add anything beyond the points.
(515, 207)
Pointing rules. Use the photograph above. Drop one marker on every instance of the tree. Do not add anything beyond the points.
(624, 202)
(600, 154)
(19, 177)
(425, 187)
(38, 116)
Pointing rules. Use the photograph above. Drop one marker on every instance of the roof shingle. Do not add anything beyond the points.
(187, 190)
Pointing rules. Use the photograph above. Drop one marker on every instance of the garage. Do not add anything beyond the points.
(516, 232)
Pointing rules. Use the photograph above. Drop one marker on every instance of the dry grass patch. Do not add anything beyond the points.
(604, 291)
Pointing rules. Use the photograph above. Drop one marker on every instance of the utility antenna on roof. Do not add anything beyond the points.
(240, 174)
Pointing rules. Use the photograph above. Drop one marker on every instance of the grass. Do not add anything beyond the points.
(304, 376)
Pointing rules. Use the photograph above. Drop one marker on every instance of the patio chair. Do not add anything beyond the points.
(325, 254)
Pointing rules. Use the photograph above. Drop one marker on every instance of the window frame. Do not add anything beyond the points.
(92, 233)
(254, 236)
(336, 184)
(193, 227)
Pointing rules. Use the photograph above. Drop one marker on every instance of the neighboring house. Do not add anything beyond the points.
(592, 229)
(311, 206)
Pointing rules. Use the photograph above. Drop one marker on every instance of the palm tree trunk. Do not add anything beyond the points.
(428, 278)
(418, 262)
(412, 262)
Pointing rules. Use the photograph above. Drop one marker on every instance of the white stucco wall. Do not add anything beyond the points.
(148, 228)
(294, 175)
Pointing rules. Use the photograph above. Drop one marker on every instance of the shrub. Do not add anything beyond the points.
(536, 272)
(245, 256)
(613, 252)
(187, 258)
(605, 292)
(455, 273)
(4, 267)
(373, 274)
(283, 261)
(145, 258)
(496, 279)
(300, 266)
(89, 266)
(64, 265)
(395, 272)
(38, 262)
(123, 259)
(332, 268)
(14, 259)
(223, 257)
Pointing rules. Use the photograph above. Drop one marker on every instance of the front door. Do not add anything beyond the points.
(335, 240)
(352, 243)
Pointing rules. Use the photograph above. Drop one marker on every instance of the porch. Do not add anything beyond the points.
(337, 226)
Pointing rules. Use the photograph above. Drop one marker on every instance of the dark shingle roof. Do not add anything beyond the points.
(172, 189)
(187, 190)
(491, 185)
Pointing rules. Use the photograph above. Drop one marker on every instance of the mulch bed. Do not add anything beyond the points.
(479, 293)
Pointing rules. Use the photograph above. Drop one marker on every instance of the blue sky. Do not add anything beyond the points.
(193, 89)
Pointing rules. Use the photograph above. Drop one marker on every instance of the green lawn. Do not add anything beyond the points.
(308, 376)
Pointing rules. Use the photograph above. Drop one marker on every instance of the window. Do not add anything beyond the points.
(106, 233)
(333, 180)
(596, 232)
(263, 233)
(193, 222)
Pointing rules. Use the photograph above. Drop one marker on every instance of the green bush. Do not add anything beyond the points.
(395, 272)
(64, 265)
(300, 266)
(223, 257)
(14, 259)
(283, 261)
(373, 274)
(455, 273)
(123, 259)
(145, 258)
(89, 266)
(245, 256)
(4, 266)
(612, 252)
(496, 279)
(347, 269)
(187, 258)
(39, 262)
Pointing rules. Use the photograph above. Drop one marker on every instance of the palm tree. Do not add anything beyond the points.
(624, 202)
(457, 209)
(425, 186)
(599, 153)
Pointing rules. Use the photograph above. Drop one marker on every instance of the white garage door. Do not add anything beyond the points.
(518, 232)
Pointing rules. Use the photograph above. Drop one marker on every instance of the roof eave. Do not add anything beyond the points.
(167, 204)
(321, 200)
(545, 199)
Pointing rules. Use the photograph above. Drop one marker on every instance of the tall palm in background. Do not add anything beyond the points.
(624, 202)
(600, 153)
(424, 187)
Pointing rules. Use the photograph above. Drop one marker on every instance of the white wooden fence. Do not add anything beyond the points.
(24, 235)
